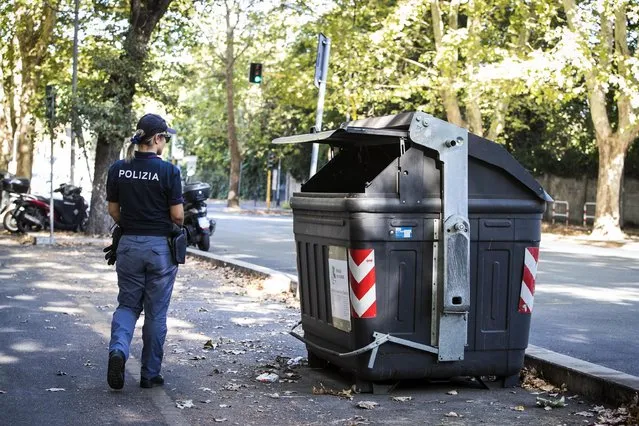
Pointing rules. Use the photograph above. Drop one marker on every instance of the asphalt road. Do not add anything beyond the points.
(586, 301)
(223, 333)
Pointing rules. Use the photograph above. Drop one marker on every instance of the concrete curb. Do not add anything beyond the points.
(590, 380)
(276, 282)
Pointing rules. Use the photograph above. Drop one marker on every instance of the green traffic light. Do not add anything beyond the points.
(258, 79)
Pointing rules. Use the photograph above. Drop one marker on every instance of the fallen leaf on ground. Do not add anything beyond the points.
(518, 408)
(206, 401)
(1, 392)
(209, 345)
(367, 405)
(60, 373)
(585, 414)
(452, 414)
(453, 392)
(401, 398)
(197, 358)
(322, 390)
(56, 389)
(530, 380)
(182, 404)
(220, 420)
(273, 395)
(356, 421)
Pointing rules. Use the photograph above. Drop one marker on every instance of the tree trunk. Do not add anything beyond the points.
(498, 121)
(25, 54)
(446, 70)
(612, 153)
(121, 88)
(233, 199)
(613, 145)
(6, 137)
(26, 142)
(473, 90)
(105, 154)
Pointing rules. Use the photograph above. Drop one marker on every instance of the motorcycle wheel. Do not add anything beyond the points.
(205, 242)
(84, 225)
(9, 222)
(24, 226)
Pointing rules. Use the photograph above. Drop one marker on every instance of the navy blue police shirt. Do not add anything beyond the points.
(145, 187)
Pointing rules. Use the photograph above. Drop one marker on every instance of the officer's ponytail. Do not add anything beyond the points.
(135, 140)
(139, 138)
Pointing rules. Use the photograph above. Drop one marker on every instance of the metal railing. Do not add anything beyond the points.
(561, 214)
(586, 215)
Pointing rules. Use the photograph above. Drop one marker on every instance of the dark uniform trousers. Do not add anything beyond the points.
(146, 273)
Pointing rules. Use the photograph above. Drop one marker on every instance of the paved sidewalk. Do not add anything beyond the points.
(55, 308)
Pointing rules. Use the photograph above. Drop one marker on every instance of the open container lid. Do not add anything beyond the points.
(390, 128)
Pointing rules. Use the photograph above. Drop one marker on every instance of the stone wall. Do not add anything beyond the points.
(579, 191)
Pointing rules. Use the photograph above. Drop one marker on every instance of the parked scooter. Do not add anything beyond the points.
(199, 228)
(69, 214)
(14, 190)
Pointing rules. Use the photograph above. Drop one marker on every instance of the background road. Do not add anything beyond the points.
(586, 300)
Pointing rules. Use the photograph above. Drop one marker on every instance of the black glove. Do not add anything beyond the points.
(111, 250)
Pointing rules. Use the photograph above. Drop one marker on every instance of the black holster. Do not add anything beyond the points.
(177, 244)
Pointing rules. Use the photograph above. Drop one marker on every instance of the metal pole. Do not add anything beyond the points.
(239, 181)
(279, 179)
(268, 189)
(320, 102)
(74, 89)
(51, 188)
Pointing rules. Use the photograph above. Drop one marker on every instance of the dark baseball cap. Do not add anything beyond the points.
(153, 124)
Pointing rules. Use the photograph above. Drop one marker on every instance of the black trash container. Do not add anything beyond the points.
(417, 246)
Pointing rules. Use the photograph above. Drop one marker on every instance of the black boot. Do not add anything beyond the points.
(153, 382)
(115, 373)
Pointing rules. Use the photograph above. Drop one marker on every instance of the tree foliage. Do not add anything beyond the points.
(556, 83)
(27, 29)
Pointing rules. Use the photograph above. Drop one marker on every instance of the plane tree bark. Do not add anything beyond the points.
(606, 56)
(119, 91)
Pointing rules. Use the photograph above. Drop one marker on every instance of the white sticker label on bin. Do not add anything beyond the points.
(338, 277)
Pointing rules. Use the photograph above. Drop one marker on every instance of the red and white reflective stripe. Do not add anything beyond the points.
(527, 295)
(361, 277)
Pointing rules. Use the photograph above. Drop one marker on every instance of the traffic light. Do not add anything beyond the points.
(255, 74)
(270, 160)
(50, 102)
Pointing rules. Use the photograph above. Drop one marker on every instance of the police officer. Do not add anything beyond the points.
(145, 201)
